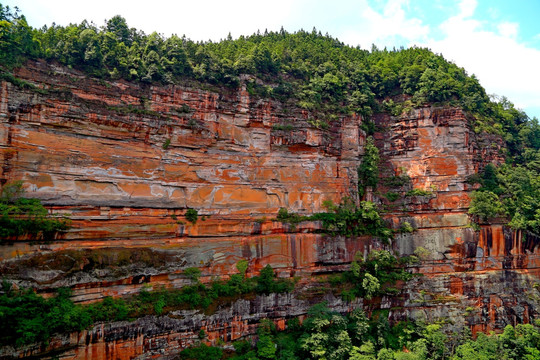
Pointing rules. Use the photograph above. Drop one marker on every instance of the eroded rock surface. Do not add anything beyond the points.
(127, 161)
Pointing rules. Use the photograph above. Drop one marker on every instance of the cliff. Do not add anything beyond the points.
(127, 161)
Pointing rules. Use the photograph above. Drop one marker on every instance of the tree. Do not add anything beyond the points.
(266, 349)
(118, 27)
(368, 171)
(23, 216)
(485, 205)
(371, 285)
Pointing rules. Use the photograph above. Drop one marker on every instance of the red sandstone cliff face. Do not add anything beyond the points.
(126, 161)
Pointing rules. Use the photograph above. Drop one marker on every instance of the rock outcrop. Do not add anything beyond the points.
(127, 161)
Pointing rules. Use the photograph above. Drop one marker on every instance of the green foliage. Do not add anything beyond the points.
(349, 220)
(392, 196)
(368, 171)
(28, 318)
(509, 190)
(396, 180)
(242, 266)
(22, 216)
(370, 285)
(166, 144)
(418, 192)
(267, 284)
(192, 215)
(193, 273)
(375, 275)
(422, 253)
(345, 219)
(290, 218)
(406, 227)
(485, 205)
(266, 349)
(281, 127)
(202, 351)
(325, 334)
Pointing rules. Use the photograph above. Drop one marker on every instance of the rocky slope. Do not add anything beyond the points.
(126, 162)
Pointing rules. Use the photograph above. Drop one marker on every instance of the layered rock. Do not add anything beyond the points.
(126, 161)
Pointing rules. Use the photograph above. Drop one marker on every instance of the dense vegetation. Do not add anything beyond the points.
(24, 216)
(332, 336)
(319, 71)
(509, 191)
(376, 275)
(345, 219)
(26, 317)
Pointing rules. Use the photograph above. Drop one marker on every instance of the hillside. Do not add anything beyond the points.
(188, 191)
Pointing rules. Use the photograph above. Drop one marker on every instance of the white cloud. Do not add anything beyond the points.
(508, 29)
(467, 8)
(502, 64)
(199, 20)
(383, 29)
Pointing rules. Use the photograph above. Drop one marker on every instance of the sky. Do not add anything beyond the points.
(496, 40)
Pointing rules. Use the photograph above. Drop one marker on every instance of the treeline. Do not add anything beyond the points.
(325, 334)
(318, 71)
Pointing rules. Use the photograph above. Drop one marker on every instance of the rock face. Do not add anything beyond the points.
(126, 162)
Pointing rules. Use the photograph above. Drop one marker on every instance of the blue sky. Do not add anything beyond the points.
(497, 40)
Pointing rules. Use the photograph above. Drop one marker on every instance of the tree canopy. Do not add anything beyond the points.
(319, 71)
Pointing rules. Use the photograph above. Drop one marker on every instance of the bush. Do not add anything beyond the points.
(21, 216)
(391, 196)
(368, 171)
(406, 227)
(242, 266)
(418, 192)
(192, 215)
(166, 144)
(485, 205)
(349, 220)
(202, 351)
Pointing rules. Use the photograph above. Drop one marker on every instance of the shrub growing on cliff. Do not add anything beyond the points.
(267, 282)
(242, 266)
(193, 273)
(166, 144)
(485, 205)
(349, 220)
(418, 192)
(290, 218)
(375, 275)
(20, 216)
(192, 215)
(368, 171)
